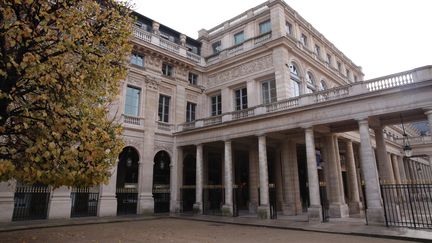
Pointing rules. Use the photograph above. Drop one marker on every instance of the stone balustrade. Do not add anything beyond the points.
(132, 120)
(418, 75)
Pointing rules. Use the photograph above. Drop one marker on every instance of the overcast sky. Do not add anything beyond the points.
(382, 36)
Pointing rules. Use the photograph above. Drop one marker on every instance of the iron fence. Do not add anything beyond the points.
(84, 202)
(127, 199)
(213, 199)
(31, 202)
(161, 196)
(272, 200)
(187, 196)
(324, 202)
(408, 205)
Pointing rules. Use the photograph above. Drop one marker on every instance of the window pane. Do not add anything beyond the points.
(238, 38)
(132, 101)
(296, 88)
(265, 27)
(163, 111)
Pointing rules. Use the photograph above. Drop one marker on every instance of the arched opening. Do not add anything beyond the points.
(127, 181)
(161, 182)
(188, 188)
(310, 82)
(295, 79)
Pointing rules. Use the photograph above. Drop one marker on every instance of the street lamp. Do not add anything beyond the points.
(406, 145)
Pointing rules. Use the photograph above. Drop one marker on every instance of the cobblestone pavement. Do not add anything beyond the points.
(175, 230)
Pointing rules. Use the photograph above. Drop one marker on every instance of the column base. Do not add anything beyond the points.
(355, 208)
(175, 206)
(253, 207)
(146, 204)
(107, 206)
(375, 216)
(315, 214)
(289, 209)
(197, 208)
(60, 204)
(338, 211)
(7, 193)
(227, 210)
(263, 212)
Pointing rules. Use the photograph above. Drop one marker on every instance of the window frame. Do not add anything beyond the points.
(138, 101)
(167, 69)
(190, 111)
(216, 47)
(194, 79)
(240, 101)
(133, 59)
(303, 40)
(266, 23)
(164, 103)
(268, 91)
(216, 107)
(288, 28)
(240, 33)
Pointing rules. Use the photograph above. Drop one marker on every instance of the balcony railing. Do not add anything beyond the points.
(167, 45)
(360, 88)
(165, 126)
(133, 120)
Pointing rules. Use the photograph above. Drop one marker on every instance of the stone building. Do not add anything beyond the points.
(260, 115)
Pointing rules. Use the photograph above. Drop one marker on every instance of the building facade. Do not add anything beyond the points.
(261, 115)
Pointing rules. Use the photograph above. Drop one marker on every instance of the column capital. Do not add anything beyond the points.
(363, 121)
(260, 135)
(428, 111)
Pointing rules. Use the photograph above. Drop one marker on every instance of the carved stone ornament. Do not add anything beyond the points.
(133, 143)
(242, 70)
(163, 146)
(152, 83)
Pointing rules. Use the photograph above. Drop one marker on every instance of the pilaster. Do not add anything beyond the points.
(60, 203)
(7, 193)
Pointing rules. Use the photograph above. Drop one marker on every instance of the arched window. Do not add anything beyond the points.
(323, 85)
(310, 78)
(295, 79)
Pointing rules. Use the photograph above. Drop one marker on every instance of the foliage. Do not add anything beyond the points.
(61, 62)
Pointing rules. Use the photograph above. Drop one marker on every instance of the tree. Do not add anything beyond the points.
(61, 62)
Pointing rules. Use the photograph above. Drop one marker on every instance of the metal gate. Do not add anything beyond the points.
(408, 205)
(213, 199)
(84, 202)
(31, 202)
(272, 200)
(161, 196)
(324, 202)
(127, 199)
(187, 195)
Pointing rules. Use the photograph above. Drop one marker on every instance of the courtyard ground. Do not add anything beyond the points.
(176, 230)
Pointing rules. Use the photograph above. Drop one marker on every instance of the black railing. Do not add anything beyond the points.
(161, 196)
(31, 202)
(187, 196)
(324, 202)
(272, 200)
(84, 202)
(408, 205)
(213, 199)
(127, 199)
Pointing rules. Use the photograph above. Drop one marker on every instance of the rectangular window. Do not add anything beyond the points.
(288, 27)
(137, 59)
(295, 88)
(238, 38)
(317, 50)
(339, 66)
(216, 47)
(132, 102)
(190, 112)
(348, 74)
(355, 78)
(303, 39)
(268, 89)
(193, 78)
(241, 99)
(164, 105)
(216, 105)
(167, 70)
(265, 27)
(329, 58)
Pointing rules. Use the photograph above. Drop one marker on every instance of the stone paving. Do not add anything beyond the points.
(176, 230)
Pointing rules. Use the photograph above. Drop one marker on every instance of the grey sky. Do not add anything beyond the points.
(382, 36)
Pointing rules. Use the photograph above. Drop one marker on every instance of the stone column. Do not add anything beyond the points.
(227, 208)
(264, 207)
(339, 167)
(7, 193)
(375, 211)
(176, 180)
(198, 207)
(277, 171)
(145, 175)
(385, 169)
(337, 207)
(402, 173)
(396, 170)
(253, 180)
(355, 206)
(429, 117)
(291, 187)
(60, 203)
(108, 202)
(314, 210)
